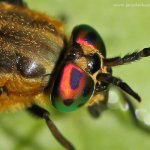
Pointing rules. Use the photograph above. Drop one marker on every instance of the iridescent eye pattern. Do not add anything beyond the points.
(88, 36)
(72, 88)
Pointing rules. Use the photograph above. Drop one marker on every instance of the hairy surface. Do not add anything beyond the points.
(30, 45)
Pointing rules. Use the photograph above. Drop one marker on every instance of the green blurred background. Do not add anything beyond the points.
(125, 26)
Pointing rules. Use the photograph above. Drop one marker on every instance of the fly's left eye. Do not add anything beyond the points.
(72, 88)
(88, 36)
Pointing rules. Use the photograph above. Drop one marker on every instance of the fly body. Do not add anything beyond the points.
(30, 45)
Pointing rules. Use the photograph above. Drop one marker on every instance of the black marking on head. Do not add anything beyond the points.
(75, 52)
(101, 86)
(93, 63)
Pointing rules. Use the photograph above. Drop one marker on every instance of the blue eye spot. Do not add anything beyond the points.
(91, 38)
(75, 78)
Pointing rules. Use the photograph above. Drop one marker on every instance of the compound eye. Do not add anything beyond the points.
(88, 36)
(72, 88)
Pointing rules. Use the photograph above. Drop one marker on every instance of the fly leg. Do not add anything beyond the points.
(44, 114)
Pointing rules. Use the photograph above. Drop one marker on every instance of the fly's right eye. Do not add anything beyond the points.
(72, 88)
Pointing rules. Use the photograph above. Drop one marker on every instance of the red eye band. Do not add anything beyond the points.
(72, 88)
(82, 41)
(72, 82)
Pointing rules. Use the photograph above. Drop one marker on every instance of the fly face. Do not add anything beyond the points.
(75, 82)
